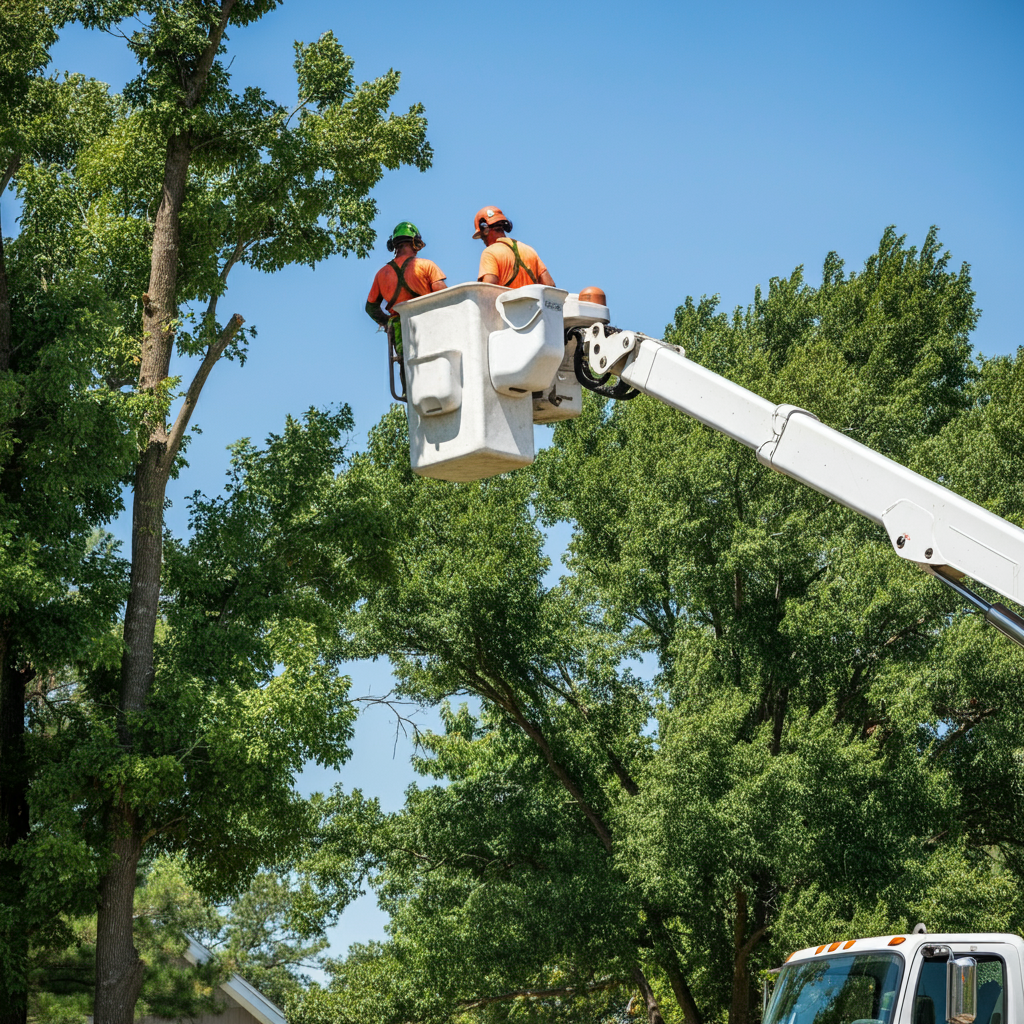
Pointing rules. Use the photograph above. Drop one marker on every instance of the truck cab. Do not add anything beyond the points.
(899, 979)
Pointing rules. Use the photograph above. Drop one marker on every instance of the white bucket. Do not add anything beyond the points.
(475, 355)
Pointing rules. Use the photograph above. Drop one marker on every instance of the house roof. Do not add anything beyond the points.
(238, 989)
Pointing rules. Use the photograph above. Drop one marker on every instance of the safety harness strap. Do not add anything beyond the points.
(519, 263)
(401, 282)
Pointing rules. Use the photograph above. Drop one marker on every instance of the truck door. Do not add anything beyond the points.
(929, 1005)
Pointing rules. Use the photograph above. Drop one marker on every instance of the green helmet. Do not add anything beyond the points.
(405, 230)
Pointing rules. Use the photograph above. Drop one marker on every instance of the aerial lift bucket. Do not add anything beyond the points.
(479, 360)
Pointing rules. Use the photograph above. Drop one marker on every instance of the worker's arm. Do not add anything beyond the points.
(546, 278)
(438, 285)
(375, 313)
(488, 278)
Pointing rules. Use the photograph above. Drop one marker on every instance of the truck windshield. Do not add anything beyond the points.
(855, 988)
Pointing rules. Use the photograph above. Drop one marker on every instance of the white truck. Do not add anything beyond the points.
(902, 979)
(484, 364)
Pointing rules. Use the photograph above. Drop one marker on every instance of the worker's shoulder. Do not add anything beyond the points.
(525, 249)
(500, 247)
(424, 268)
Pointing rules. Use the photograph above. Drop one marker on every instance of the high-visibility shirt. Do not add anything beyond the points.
(419, 276)
(500, 260)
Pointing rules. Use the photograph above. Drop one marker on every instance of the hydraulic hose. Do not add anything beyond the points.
(621, 390)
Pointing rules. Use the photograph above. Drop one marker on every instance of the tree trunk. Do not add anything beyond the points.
(154, 467)
(118, 965)
(667, 956)
(739, 1002)
(743, 945)
(684, 997)
(14, 824)
(651, 1004)
(144, 588)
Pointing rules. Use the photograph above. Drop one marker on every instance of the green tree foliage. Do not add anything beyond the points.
(186, 735)
(66, 445)
(167, 910)
(267, 940)
(826, 745)
(258, 937)
(250, 686)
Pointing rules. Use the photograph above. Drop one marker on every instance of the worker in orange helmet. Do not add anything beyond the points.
(405, 277)
(506, 261)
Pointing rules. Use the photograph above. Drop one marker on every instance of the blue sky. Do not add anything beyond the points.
(655, 149)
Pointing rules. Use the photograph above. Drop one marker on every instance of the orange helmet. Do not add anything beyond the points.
(492, 217)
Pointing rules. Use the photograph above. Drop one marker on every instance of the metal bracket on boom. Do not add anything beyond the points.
(603, 352)
(606, 349)
(599, 348)
(780, 417)
(911, 530)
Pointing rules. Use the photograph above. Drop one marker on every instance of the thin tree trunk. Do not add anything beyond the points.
(743, 946)
(118, 965)
(651, 1004)
(154, 467)
(14, 823)
(739, 1003)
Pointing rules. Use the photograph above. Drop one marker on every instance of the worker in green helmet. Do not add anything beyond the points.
(405, 277)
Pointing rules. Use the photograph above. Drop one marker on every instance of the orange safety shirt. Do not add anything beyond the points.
(419, 274)
(500, 260)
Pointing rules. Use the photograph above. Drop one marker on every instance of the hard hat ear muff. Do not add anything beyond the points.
(508, 226)
(391, 245)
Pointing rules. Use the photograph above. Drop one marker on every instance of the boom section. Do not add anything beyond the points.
(942, 532)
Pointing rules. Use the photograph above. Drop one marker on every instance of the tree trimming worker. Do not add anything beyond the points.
(506, 261)
(405, 277)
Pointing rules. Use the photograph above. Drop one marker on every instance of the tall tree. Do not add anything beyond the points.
(805, 760)
(24, 40)
(66, 445)
(195, 180)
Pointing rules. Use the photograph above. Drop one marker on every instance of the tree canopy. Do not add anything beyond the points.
(179, 689)
(799, 758)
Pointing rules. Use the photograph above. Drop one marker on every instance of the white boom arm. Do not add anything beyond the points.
(945, 534)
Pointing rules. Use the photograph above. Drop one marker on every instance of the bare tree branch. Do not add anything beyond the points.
(9, 173)
(213, 353)
(970, 722)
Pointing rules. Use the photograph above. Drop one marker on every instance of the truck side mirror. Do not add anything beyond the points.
(961, 990)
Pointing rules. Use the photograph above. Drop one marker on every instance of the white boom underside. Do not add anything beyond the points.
(926, 523)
